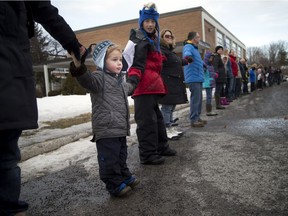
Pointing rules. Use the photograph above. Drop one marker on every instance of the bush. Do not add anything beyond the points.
(71, 87)
(78, 90)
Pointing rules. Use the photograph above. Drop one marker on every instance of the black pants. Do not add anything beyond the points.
(259, 84)
(238, 86)
(245, 87)
(253, 87)
(112, 157)
(151, 131)
(219, 88)
(10, 173)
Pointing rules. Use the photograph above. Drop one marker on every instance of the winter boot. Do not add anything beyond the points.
(172, 134)
(180, 133)
(223, 101)
(218, 104)
(132, 181)
(209, 110)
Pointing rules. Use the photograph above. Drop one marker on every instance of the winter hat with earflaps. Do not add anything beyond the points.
(99, 53)
(149, 11)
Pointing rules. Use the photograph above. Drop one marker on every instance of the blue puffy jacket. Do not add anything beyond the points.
(193, 72)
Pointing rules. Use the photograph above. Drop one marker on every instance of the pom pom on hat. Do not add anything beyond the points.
(99, 53)
(149, 11)
(217, 48)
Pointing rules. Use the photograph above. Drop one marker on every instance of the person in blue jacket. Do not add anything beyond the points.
(194, 77)
(252, 77)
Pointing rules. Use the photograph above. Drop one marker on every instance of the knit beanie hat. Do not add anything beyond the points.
(149, 11)
(217, 48)
(99, 53)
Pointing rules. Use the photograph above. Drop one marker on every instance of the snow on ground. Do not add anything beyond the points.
(67, 106)
(64, 106)
(57, 107)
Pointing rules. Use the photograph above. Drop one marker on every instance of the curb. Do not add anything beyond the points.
(34, 149)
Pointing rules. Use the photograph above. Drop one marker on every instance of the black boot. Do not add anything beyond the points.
(218, 104)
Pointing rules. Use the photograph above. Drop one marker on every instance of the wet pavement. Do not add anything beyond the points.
(236, 165)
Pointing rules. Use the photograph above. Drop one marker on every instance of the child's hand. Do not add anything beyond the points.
(76, 67)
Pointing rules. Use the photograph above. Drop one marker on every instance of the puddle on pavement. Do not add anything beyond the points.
(266, 127)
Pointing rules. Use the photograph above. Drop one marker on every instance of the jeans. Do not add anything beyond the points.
(195, 101)
(167, 112)
(233, 88)
(10, 173)
(209, 95)
(229, 87)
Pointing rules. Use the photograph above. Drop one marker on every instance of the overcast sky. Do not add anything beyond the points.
(255, 23)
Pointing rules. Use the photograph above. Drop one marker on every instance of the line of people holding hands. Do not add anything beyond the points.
(155, 76)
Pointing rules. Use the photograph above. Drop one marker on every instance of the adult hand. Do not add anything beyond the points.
(73, 46)
(189, 59)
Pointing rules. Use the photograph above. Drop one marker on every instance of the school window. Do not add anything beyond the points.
(228, 43)
(239, 51)
(220, 38)
(234, 46)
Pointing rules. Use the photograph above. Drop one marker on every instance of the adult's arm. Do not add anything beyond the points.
(48, 16)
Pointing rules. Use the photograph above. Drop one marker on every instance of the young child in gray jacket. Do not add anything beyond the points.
(110, 115)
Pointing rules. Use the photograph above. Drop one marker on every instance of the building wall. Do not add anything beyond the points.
(179, 22)
(209, 37)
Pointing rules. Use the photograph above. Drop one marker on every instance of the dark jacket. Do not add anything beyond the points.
(110, 108)
(17, 86)
(173, 76)
(147, 66)
(219, 68)
(242, 70)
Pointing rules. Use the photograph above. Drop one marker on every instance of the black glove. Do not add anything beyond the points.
(75, 72)
(134, 80)
(74, 46)
(187, 60)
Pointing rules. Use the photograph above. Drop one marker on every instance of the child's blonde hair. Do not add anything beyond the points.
(112, 48)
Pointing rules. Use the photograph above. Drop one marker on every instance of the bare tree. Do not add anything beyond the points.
(38, 45)
(274, 54)
(255, 54)
(55, 49)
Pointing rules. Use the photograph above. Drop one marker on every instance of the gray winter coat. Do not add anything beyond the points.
(110, 108)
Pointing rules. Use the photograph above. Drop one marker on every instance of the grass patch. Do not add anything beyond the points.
(68, 122)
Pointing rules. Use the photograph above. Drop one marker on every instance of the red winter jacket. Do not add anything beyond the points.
(234, 65)
(147, 66)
